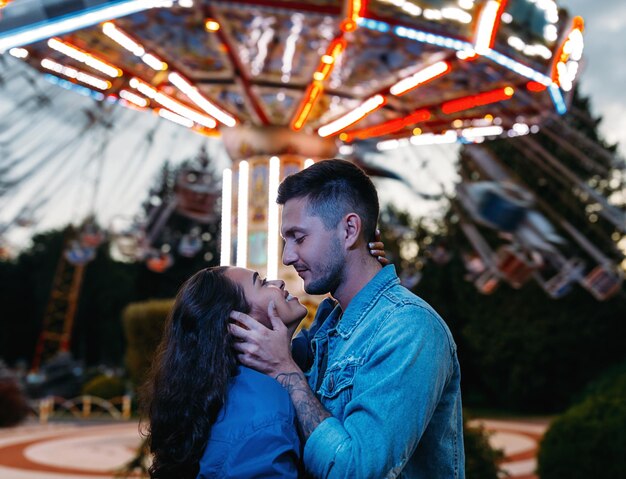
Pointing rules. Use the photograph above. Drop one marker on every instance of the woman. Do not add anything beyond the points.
(209, 416)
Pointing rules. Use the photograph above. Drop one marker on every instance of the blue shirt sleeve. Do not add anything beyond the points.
(272, 451)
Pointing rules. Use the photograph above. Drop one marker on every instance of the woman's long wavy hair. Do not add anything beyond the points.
(187, 384)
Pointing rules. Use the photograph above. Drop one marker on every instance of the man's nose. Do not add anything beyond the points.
(289, 256)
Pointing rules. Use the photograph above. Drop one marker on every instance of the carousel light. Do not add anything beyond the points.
(423, 76)
(242, 215)
(153, 62)
(227, 204)
(353, 13)
(173, 117)
(273, 232)
(473, 101)
(434, 139)
(431, 38)
(327, 61)
(172, 104)
(565, 66)
(518, 67)
(389, 126)
(411, 9)
(194, 95)
(481, 132)
(117, 35)
(211, 25)
(309, 162)
(368, 106)
(68, 85)
(387, 145)
(451, 13)
(132, 98)
(506, 17)
(74, 21)
(18, 52)
(488, 25)
(69, 72)
(557, 99)
(84, 57)
(310, 97)
(466, 4)
(374, 25)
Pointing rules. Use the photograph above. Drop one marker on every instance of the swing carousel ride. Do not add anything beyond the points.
(286, 82)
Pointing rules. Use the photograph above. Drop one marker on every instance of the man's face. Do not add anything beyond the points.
(315, 252)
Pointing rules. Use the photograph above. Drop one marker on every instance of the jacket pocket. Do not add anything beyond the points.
(336, 388)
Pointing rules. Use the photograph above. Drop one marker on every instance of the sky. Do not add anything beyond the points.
(604, 75)
(130, 163)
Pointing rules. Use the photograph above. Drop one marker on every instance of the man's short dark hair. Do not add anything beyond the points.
(334, 188)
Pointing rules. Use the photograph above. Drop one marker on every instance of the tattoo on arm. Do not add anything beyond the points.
(309, 410)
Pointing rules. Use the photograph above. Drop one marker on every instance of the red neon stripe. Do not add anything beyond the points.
(390, 126)
(474, 101)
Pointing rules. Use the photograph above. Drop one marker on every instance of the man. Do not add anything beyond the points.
(380, 395)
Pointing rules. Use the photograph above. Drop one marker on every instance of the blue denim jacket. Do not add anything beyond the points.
(392, 385)
(255, 432)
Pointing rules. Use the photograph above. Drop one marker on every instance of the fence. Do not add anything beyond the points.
(82, 407)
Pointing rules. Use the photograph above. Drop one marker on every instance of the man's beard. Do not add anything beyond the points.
(331, 274)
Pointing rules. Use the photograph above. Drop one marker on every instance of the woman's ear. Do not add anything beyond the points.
(352, 224)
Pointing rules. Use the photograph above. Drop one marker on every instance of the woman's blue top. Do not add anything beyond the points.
(255, 432)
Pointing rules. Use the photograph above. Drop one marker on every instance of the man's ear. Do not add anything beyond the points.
(352, 224)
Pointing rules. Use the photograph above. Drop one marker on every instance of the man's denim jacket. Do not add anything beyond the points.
(392, 385)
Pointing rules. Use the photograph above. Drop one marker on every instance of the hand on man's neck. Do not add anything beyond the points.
(361, 267)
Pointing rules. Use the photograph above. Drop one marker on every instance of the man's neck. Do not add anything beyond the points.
(360, 270)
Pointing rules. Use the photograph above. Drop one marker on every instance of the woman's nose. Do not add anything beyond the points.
(279, 283)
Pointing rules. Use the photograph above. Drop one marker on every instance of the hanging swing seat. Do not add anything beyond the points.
(603, 282)
(158, 262)
(515, 266)
(197, 195)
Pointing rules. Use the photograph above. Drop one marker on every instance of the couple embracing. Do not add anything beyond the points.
(371, 389)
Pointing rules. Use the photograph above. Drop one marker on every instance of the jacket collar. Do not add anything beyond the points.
(365, 299)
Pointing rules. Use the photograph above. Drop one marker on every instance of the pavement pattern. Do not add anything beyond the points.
(84, 450)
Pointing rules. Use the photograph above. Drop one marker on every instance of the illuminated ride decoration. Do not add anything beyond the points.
(350, 69)
(287, 82)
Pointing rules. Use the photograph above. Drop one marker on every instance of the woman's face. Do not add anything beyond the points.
(260, 292)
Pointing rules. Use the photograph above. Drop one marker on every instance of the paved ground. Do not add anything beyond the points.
(89, 451)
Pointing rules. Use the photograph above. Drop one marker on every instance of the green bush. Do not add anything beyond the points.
(143, 327)
(611, 383)
(589, 440)
(481, 460)
(105, 387)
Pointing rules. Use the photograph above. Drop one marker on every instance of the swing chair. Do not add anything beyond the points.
(190, 244)
(197, 195)
(602, 282)
(78, 254)
(158, 261)
(515, 265)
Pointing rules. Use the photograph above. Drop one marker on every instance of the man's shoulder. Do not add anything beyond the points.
(404, 310)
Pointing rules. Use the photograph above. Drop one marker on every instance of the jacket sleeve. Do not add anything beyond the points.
(272, 451)
(395, 393)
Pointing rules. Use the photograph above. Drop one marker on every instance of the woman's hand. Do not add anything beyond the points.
(377, 249)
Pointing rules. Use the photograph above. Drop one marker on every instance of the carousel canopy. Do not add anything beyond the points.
(397, 71)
